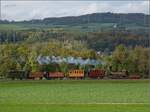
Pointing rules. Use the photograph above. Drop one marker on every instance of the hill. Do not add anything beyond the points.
(130, 19)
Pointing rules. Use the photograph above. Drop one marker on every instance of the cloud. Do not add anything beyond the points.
(26, 10)
(134, 7)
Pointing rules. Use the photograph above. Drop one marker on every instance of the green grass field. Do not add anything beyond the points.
(75, 96)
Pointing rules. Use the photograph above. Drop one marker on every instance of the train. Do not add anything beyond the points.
(72, 74)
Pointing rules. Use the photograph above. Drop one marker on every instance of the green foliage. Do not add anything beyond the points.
(23, 56)
(139, 61)
(133, 60)
(98, 40)
(9, 59)
(119, 58)
(64, 68)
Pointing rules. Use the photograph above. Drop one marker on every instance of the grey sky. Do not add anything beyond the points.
(26, 10)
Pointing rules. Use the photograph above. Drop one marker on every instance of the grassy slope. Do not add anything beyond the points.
(20, 26)
(82, 27)
(66, 96)
(11, 27)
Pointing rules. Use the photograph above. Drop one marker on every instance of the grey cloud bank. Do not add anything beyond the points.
(26, 10)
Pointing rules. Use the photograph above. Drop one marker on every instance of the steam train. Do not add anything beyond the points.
(73, 74)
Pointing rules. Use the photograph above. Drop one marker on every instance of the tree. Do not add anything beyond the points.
(64, 68)
(119, 58)
(139, 60)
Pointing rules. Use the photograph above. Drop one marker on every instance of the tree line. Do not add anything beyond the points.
(99, 41)
(135, 60)
(23, 57)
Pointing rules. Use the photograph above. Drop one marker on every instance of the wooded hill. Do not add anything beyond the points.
(130, 18)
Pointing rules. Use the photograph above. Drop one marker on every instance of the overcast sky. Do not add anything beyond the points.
(26, 10)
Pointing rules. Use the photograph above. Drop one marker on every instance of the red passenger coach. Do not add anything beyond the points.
(96, 73)
(56, 75)
(36, 75)
(134, 76)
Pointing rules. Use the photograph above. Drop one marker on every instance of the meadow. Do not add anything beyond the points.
(75, 96)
